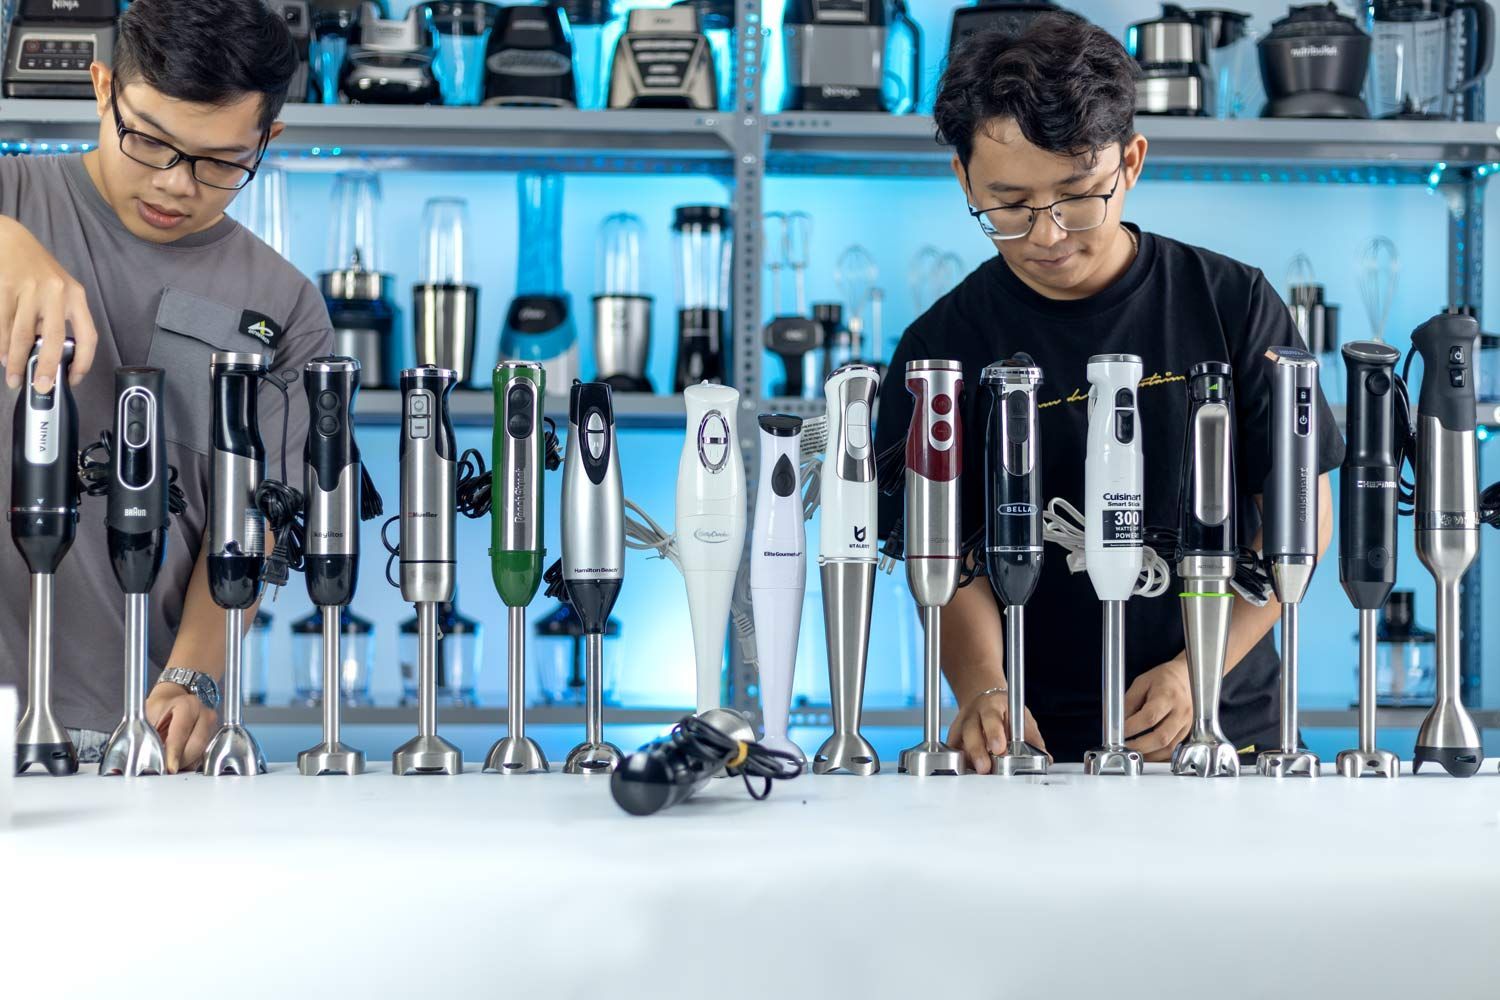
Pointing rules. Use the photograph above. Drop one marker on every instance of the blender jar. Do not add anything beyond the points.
(459, 659)
(1488, 385)
(359, 298)
(335, 23)
(445, 309)
(560, 663)
(539, 323)
(461, 29)
(901, 82)
(356, 651)
(622, 310)
(255, 660)
(262, 208)
(352, 240)
(703, 245)
(595, 32)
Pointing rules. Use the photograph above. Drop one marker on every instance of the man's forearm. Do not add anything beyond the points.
(973, 643)
(200, 636)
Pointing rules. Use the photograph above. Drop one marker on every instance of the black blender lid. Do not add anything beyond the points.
(1315, 19)
(700, 215)
(782, 425)
(262, 620)
(1210, 368)
(461, 17)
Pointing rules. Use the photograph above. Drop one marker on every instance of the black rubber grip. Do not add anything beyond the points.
(1446, 343)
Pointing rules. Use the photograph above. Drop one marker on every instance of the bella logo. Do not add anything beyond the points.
(713, 536)
(1016, 509)
(135, 512)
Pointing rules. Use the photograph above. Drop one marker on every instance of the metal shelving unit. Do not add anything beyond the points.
(476, 408)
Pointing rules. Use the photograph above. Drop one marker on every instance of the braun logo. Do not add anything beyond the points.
(1375, 484)
(135, 512)
(1016, 509)
(845, 93)
(1130, 498)
(1315, 52)
(713, 536)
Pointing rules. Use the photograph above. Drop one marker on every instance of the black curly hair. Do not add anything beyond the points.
(1067, 84)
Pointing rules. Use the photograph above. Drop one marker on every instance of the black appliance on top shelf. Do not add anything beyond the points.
(392, 61)
(297, 15)
(663, 61)
(1010, 17)
(1313, 63)
(52, 45)
(1173, 54)
(529, 60)
(836, 54)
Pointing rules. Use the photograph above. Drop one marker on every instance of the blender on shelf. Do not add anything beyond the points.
(53, 42)
(792, 336)
(622, 310)
(445, 309)
(359, 297)
(1428, 58)
(1173, 53)
(392, 62)
(664, 60)
(836, 55)
(702, 237)
(1009, 17)
(297, 16)
(262, 208)
(539, 323)
(335, 26)
(1314, 62)
(461, 31)
(594, 28)
(529, 61)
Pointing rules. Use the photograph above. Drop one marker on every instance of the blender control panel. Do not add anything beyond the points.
(60, 52)
(419, 415)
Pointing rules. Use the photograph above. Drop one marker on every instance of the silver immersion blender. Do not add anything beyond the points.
(43, 523)
(1447, 526)
(333, 491)
(593, 544)
(934, 461)
(1291, 533)
(846, 562)
(236, 543)
(1206, 554)
(136, 533)
(429, 506)
(1013, 533)
(1367, 527)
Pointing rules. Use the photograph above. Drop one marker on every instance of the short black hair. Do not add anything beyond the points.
(208, 51)
(1067, 84)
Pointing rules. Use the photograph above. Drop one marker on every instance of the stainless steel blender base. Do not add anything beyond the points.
(1113, 760)
(427, 755)
(1460, 762)
(133, 749)
(1358, 763)
(592, 758)
(846, 752)
(233, 751)
(58, 758)
(516, 755)
(1205, 759)
(930, 758)
(1280, 764)
(1021, 758)
(331, 758)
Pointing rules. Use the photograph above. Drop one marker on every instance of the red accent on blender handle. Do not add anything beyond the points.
(935, 418)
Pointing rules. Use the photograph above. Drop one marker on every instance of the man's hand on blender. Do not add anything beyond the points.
(40, 300)
(982, 728)
(1159, 710)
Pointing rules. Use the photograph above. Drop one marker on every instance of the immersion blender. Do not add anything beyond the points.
(846, 562)
(1114, 535)
(236, 543)
(429, 506)
(593, 544)
(710, 526)
(1367, 528)
(1447, 526)
(778, 572)
(43, 522)
(934, 461)
(1207, 551)
(517, 547)
(1013, 533)
(332, 487)
(136, 536)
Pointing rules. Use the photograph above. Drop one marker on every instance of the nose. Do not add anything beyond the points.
(177, 181)
(1045, 232)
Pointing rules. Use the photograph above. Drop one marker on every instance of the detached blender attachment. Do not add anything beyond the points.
(427, 550)
(792, 336)
(778, 572)
(663, 61)
(392, 63)
(43, 522)
(1291, 533)
(622, 310)
(702, 239)
(1367, 527)
(1447, 526)
(236, 543)
(846, 561)
(1207, 550)
(934, 461)
(462, 31)
(136, 533)
(445, 310)
(529, 60)
(359, 297)
(1173, 53)
(1013, 533)
(1314, 62)
(593, 544)
(710, 526)
(836, 55)
(1114, 535)
(539, 324)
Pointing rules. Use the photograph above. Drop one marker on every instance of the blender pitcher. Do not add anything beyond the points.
(539, 323)
(1422, 54)
(595, 31)
(622, 312)
(703, 245)
(359, 297)
(462, 31)
(445, 310)
(262, 208)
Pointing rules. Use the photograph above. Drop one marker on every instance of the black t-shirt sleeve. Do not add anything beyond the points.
(894, 417)
(1268, 323)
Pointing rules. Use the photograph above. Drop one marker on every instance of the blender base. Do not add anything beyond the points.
(1022, 758)
(134, 749)
(233, 751)
(331, 758)
(516, 755)
(427, 755)
(1205, 759)
(592, 758)
(846, 752)
(1358, 763)
(1281, 764)
(931, 758)
(1113, 760)
(1460, 762)
(58, 758)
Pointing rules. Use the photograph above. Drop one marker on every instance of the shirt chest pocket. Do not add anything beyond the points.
(189, 330)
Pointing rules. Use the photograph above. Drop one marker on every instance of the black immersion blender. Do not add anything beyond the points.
(1447, 527)
(1291, 533)
(1013, 533)
(1367, 527)
(1206, 554)
(43, 522)
(136, 534)
(333, 491)
(236, 543)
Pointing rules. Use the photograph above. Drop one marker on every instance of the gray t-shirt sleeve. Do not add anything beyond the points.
(308, 334)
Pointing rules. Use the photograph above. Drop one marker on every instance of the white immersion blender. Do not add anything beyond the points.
(1114, 535)
(710, 526)
(778, 572)
(846, 563)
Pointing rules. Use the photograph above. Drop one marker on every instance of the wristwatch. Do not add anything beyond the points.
(202, 685)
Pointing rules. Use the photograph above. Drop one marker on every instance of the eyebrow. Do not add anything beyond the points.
(167, 134)
(1073, 178)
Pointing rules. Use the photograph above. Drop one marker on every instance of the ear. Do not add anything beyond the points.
(961, 175)
(1134, 159)
(102, 76)
(276, 129)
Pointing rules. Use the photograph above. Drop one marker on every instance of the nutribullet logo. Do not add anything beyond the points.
(1315, 52)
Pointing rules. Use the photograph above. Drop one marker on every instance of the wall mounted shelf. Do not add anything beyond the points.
(476, 408)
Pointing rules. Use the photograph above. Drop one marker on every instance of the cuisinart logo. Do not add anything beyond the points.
(1324, 51)
(1126, 498)
(135, 512)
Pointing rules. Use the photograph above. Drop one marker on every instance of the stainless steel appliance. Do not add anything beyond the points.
(529, 61)
(663, 61)
(297, 16)
(51, 45)
(1429, 55)
(445, 308)
(836, 55)
(703, 241)
(622, 310)
(393, 61)
(358, 295)
(1313, 63)
(1173, 51)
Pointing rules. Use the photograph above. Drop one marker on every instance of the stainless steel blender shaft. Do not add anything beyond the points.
(1367, 667)
(134, 748)
(1207, 607)
(1289, 628)
(932, 650)
(331, 756)
(1114, 757)
(594, 651)
(427, 642)
(234, 631)
(233, 749)
(848, 594)
(1020, 757)
(39, 738)
(514, 753)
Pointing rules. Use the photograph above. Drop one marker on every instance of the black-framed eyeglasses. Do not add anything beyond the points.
(160, 155)
(1077, 214)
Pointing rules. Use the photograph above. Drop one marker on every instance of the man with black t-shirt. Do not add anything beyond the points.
(1045, 150)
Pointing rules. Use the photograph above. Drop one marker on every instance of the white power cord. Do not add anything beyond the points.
(1062, 525)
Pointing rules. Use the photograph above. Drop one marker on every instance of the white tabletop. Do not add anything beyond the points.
(836, 887)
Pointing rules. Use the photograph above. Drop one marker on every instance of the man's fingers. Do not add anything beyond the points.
(22, 336)
(1163, 737)
(203, 731)
(1135, 694)
(85, 336)
(993, 722)
(1148, 716)
(179, 722)
(53, 329)
(974, 748)
(7, 318)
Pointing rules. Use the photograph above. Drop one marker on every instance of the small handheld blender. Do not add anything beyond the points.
(778, 572)
(1291, 533)
(43, 522)
(1013, 533)
(1114, 534)
(1207, 551)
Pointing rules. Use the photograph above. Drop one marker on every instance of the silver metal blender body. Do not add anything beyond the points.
(846, 561)
(934, 462)
(43, 523)
(1013, 533)
(331, 488)
(236, 543)
(429, 458)
(1447, 528)
(1207, 552)
(445, 320)
(622, 340)
(593, 544)
(1291, 533)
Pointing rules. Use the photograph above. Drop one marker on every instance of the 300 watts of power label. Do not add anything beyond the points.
(1122, 527)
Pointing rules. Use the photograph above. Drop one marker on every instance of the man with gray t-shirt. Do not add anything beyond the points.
(127, 250)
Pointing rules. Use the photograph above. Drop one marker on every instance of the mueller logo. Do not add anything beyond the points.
(842, 93)
(712, 536)
(1129, 498)
(1375, 484)
(713, 441)
(1315, 52)
(1016, 509)
(420, 513)
(135, 512)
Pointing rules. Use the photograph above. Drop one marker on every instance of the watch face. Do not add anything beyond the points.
(206, 690)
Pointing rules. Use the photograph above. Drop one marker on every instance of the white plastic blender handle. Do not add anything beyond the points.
(1113, 516)
(778, 571)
